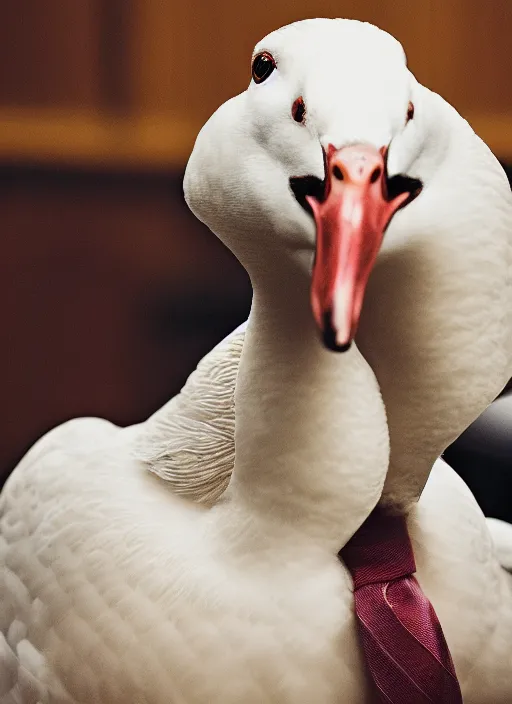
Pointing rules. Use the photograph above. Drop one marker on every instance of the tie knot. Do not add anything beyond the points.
(380, 551)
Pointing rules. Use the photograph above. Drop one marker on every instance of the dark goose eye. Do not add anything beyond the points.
(410, 112)
(262, 66)
(299, 110)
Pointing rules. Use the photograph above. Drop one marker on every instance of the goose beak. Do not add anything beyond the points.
(351, 219)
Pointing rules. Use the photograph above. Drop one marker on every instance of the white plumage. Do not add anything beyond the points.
(114, 588)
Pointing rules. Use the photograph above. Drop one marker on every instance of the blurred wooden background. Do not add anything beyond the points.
(129, 82)
(109, 290)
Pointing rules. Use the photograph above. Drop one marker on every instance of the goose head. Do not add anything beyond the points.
(336, 165)
(313, 157)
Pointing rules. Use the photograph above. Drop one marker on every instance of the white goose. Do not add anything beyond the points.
(115, 590)
(436, 326)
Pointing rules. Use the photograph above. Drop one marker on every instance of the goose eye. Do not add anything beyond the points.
(262, 66)
(410, 112)
(299, 110)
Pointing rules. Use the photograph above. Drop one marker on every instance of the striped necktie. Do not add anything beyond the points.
(403, 642)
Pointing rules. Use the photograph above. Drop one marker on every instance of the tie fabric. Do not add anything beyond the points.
(403, 642)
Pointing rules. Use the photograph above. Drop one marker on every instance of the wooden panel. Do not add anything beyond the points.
(150, 72)
(49, 53)
(88, 139)
(471, 55)
(114, 51)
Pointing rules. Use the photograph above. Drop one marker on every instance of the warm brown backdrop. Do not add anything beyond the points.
(109, 290)
(117, 81)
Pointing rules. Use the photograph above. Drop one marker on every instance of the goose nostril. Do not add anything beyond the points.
(376, 174)
(337, 173)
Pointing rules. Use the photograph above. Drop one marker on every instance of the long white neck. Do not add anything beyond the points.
(311, 435)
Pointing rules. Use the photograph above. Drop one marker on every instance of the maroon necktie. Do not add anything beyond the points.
(402, 638)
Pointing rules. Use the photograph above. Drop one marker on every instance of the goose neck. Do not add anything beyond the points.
(311, 436)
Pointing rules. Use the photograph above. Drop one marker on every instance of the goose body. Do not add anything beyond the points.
(102, 604)
(116, 587)
(459, 553)
(436, 329)
(120, 592)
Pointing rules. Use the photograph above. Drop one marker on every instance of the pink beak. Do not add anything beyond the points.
(350, 224)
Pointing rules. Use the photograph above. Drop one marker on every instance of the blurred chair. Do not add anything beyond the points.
(482, 456)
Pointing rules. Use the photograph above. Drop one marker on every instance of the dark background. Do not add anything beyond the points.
(110, 290)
